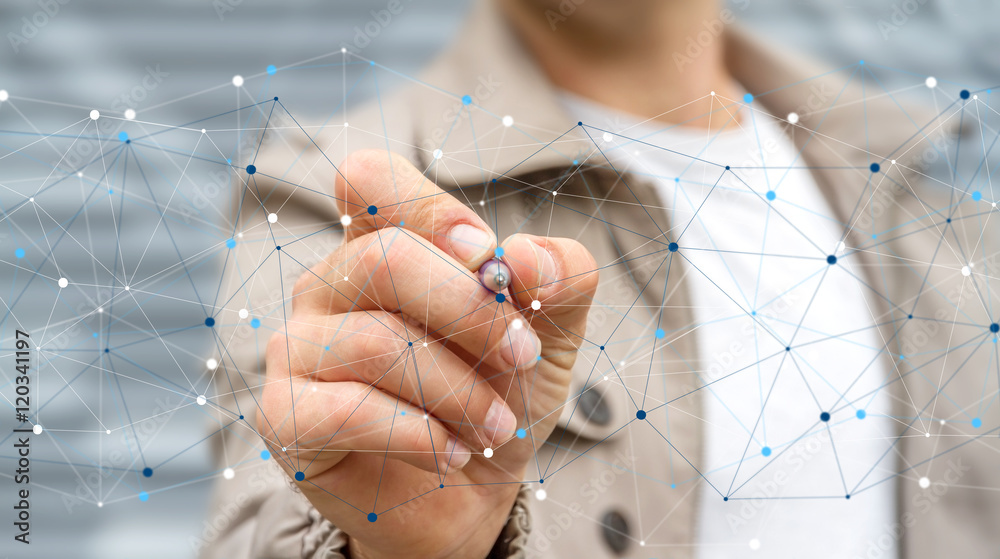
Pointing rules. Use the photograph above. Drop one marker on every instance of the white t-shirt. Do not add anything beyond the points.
(756, 244)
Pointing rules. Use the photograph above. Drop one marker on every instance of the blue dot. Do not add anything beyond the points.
(148, 472)
(673, 486)
(251, 169)
(977, 423)
(831, 259)
(771, 195)
(825, 416)
(576, 162)
(402, 412)
(753, 313)
(327, 348)
(660, 333)
(874, 167)
(255, 323)
(143, 496)
(277, 247)
(766, 451)
(602, 348)
(725, 498)
(95, 334)
(640, 414)
(466, 100)
(498, 252)
(372, 210)
(209, 322)
(272, 70)
(964, 94)
(672, 247)
(748, 98)
(677, 179)
(861, 414)
(19, 253)
(372, 63)
(948, 220)
(402, 223)
(727, 167)
(847, 496)
(111, 191)
(410, 344)
(874, 236)
(229, 161)
(580, 123)
(441, 486)
(977, 196)
(901, 356)
(521, 433)
(372, 517)
(299, 476)
(909, 316)
(241, 416)
(994, 327)
(122, 136)
(230, 243)
(501, 297)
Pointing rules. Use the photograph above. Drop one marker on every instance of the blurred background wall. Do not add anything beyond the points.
(91, 51)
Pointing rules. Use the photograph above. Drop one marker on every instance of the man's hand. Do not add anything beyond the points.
(398, 369)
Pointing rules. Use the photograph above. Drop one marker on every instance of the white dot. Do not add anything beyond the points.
(203, 131)
(608, 137)
(488, 453)
(4, 95)
(238, 81)
(100, 310)
(642, 543)
(201, 400)
(508, 121)
(425, 416)
(621, 363)
(284, 449)
(712, 93)
(438, 153)
(517, 324)
(108, 432)
(966, 271)
(942, 422)
(425, 344)
(100, 504)
(343, 49)
(212, 364)
(95, 114)
(927, 435)
(541, 494)
(755, 544)
(536, 304)
(129, 114)
(345, 220)
(244, 313)
(605, 377)
(975, 97)
(228, 473)
(840, 247)
(346, 125)
(79, 173)
(63, 282)
(793, 118)
(924, 483)
(482, 202)
(32, 199)
(127, 288)
(972, 264)
(931, 82)
(37, 429)
(272, 218)
(994, 204)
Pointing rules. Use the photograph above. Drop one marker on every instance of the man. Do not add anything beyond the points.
(599, 407)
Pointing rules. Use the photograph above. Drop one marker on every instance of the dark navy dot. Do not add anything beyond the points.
(501, 297)
(994, 327)
(299, 476)
(251, 169)
(874, 167)
(541, 481)
(788, 348)
(278, 247)
(579, 123)
(409, 344)
(275, 98)
(672, 247)
(825, 416)
(727, 167)
(148, 472)
(372, 210)
(602, 348)
(909, 316)
(948, 220)
(241, 417)
(209, 322)
(847, 496)
(640, 414)
(725, 498)
(831, 259)
(128, 141)
(106, 350)
(441, 486)
(372, 517)
(964, 94)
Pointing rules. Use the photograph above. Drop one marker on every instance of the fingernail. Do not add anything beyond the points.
(548, 273)
(456, 456)
(469, 243)
(520, 347)
(500, 422)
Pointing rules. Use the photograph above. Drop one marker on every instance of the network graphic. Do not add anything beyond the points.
(155, 274)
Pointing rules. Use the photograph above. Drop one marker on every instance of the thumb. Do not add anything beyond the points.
(553, 283)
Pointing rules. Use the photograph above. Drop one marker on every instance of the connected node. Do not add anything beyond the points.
(672, 247)
(771, 195)
(748, 98)
(372, 517)
(964, 94)
(874, 167)
(63, 282)
(466, 100)
(438, 154)
(793, 118)
(238, 81)
(488, 453)
(129, 114)
(966, 271)
(508, 121)
(346, 220)
(95, 114)
(977, 423)
(147, 472)
(228, 473)
(372, 210)
(212, 364)
(4, 95)
(272, 218)
(660, 334)
(37, 429)
(824, 417)
(299, 476)
(608, 137)
(766, 451)
(831, 259)
(244, 313)
(641, 414)
(924, 483)
(536, 304)
(251, 169)
(201, 400)
(861, 414)
(271, 70)
(931, 82)
(209, 322)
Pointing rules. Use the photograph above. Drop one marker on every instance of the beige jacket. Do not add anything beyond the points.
(593, 498)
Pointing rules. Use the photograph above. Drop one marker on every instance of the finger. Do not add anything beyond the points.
(395, 271)
(342, 417)
(373, 348)
(554, 281)
(377, 188)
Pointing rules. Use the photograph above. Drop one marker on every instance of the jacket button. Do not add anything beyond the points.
(615, 530)
(594, 408)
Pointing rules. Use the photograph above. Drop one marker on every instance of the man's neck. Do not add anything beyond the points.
(644, 66)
